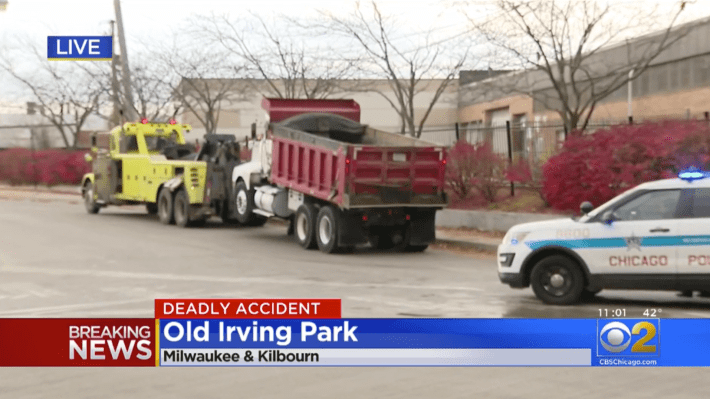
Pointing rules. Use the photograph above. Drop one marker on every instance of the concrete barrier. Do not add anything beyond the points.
(488, 220)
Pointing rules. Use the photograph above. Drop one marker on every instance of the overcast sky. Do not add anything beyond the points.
(149, 21)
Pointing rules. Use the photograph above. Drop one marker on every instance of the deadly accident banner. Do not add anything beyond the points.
(310, 332)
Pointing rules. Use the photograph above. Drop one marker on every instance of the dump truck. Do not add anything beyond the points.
(151, 164)
(341, 183)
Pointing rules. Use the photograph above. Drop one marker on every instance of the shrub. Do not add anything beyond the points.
(599, 166)
(474, 167)
(48, 167)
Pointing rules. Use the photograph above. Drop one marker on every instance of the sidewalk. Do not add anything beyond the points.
(469, 239)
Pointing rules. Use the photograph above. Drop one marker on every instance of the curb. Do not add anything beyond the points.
(479, 246)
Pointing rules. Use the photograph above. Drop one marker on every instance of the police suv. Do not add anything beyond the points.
(655, 236)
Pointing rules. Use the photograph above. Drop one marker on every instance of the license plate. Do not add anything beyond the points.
(399, 157)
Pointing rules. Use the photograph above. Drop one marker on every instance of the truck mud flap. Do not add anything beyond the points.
(422, 228)
(351, 230)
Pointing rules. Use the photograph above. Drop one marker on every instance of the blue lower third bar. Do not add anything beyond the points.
(375, 357)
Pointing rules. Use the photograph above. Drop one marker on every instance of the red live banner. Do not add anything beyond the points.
(77, 342)
(247, 308)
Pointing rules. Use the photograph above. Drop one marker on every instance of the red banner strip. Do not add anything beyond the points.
(247, 308)
(77, 342)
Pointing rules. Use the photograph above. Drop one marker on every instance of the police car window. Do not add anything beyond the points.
(653, 205)
(701, 203)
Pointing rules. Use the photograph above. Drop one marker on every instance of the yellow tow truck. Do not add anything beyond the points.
(151, 164)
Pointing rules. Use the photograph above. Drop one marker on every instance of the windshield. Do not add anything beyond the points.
(158, 143)
(606, 205)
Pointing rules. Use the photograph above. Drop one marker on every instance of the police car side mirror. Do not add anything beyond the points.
(586, 207)
(608, 217)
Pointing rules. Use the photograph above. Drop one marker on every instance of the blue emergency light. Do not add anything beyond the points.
(693, 173)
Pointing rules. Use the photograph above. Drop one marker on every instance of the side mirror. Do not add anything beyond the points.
(88, 158)
(608, 217)
(586, 207)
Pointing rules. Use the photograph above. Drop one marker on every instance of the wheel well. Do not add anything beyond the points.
(535, 257)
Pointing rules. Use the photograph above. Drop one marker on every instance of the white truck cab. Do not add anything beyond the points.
(655, 236)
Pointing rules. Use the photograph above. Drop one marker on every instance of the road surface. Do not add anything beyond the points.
(57, 261)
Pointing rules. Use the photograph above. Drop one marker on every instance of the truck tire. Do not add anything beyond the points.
(326, 229)
(181, 208)
(304, 226)
(165, 207)
(244, 206)
(152, 208)
(557, 280)
(89, 202)
(226, 215)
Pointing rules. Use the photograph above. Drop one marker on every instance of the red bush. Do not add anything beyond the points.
(474, 167)
(599, 166)
(48, 167)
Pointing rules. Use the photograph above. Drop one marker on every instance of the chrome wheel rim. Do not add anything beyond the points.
(242, 202)
(89, 197)
(301, 226)
(325, 229)
(557, 282)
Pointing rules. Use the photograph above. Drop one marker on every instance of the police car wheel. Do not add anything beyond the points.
(557, 280)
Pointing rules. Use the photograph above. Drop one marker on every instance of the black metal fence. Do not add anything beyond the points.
(533, 141)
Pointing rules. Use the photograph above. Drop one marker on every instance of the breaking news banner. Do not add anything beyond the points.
(311, 333)
(79, 48)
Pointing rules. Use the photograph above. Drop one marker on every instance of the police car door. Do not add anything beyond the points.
(638, 238)
(694, 240)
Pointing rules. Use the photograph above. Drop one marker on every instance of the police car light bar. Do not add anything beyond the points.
(691, 174)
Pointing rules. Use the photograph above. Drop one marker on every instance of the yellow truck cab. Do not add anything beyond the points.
(149, 163)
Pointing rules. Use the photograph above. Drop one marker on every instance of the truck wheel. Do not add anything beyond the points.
(244, 206)
(181, 208)
(557, 280)
(327, 230)
(304, 226)
(165, 207)
(151, 208)
(225, 214)
(89, 202)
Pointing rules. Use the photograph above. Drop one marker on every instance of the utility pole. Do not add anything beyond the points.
(128, 111)
(115, 117)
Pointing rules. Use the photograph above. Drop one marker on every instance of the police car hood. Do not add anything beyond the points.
(544, 225)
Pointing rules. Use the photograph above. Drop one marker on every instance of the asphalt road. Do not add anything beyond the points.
(57, 261)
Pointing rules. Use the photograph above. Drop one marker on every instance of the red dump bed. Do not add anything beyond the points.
(360, 175)
(280, 108)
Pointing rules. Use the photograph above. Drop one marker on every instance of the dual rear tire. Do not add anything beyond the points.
(318, 227)
(175, 209)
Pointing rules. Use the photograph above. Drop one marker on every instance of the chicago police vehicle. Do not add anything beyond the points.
(655, 236)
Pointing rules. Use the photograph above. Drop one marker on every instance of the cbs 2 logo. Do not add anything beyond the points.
(616, 336)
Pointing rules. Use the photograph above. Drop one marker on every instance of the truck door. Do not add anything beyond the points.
(103, 175)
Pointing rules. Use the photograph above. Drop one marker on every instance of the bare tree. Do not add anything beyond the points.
(559, 43)
(203, 82)
(67, 91)
(280, 56)
(409, 68)
(153, 85)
